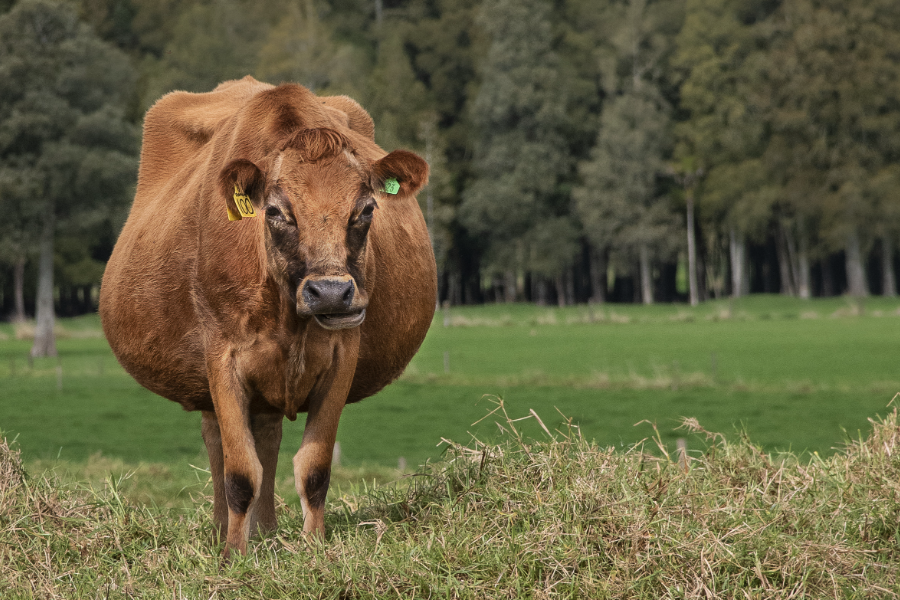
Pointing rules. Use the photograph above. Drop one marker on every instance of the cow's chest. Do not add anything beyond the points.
(285, 373)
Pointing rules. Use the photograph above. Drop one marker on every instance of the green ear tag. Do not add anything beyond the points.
(391, 186)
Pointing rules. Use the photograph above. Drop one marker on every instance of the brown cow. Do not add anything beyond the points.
(321, 298)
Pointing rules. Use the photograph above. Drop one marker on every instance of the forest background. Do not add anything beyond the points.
(581, 150)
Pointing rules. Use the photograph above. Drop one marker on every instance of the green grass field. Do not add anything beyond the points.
(798, 375)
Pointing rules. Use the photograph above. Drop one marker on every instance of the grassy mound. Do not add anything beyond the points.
(558, 518)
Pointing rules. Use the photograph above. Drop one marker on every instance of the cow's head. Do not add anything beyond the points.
(318, 198)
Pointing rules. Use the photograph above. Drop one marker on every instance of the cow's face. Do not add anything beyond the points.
(318, 201)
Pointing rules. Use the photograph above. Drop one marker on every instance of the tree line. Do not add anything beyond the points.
(581, 150)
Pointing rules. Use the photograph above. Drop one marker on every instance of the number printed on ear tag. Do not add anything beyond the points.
(391, 186)
(242, 200)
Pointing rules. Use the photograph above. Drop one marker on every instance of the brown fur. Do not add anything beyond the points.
(225, 317)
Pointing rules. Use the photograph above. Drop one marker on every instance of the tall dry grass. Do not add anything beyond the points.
(560, 518)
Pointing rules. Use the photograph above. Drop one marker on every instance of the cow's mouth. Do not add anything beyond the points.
(341, 320)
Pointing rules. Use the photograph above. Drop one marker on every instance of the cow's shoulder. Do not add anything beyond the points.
(180, 123)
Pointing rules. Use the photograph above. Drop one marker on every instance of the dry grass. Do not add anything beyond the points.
(560, 518)
(25, 331)
(455, 320)
(663, 378)
(758, 308)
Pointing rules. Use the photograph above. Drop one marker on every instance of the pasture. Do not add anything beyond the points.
(557, 517)
(793, 375)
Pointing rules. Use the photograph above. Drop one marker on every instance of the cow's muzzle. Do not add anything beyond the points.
(334, 302)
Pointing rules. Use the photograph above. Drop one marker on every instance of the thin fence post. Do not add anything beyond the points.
(336, 455)
(683, 459)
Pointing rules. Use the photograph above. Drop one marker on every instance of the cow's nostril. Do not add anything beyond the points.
(348, 295)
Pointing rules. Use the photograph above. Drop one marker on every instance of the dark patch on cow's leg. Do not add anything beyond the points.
(316, 487)
(238, 492)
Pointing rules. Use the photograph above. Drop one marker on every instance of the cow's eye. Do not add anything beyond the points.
(364, 217)
(273, 213)
(368, 209)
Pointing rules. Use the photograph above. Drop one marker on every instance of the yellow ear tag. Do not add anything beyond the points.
(244, 206)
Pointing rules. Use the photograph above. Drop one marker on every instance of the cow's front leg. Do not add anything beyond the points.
(242, 472)
(312, 463)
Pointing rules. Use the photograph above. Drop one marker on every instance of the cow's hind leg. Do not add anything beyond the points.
(266, 430)
(212, 437)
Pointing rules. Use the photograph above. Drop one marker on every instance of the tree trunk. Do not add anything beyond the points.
(646, 275)
(856, 272)
(454, 291)
(793, 260)
(798, 262)
(560, 291)
(87, 305)
(598, 275)
(804, 287)
(740, 274)
(44, 338)
(888, 282)
(692, 250)
(784, 262)
(19, 289)
(379, 11)
(827, 278)
(509, 286)
(541, 293)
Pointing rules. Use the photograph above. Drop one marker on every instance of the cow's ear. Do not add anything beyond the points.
(242, 186)
(400, 172)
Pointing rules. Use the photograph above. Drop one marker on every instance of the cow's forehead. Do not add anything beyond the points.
(331, 183)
